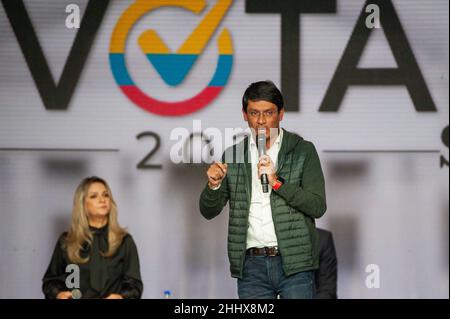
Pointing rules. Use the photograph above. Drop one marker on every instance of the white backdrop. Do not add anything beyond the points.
(388, 209)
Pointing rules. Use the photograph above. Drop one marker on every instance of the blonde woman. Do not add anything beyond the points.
(104, 252)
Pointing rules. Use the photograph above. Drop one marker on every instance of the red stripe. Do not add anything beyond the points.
(171, 108)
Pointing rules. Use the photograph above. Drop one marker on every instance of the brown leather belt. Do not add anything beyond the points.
(263, 251)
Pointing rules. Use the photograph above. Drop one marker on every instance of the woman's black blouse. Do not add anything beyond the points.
(100, 276)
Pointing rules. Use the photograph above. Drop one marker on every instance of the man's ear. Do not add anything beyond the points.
(281, 114)
(245, 115)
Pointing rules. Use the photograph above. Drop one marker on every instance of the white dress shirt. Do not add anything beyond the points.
(261, 231)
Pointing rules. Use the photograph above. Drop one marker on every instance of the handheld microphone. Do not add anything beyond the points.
(262, 151)
(76, 294)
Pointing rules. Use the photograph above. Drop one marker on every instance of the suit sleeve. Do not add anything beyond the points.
(326, 275)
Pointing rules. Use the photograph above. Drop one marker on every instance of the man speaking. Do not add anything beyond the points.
(272, 240)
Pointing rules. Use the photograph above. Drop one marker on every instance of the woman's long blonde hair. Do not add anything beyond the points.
(80, 234)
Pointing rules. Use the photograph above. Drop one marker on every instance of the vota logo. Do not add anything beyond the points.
(172, 67)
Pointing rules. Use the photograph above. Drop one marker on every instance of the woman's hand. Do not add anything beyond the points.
(114, 296)
(64, 295)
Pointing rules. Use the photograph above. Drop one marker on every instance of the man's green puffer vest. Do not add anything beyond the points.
(295, 205)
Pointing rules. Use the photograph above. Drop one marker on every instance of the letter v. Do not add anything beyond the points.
(55, 97)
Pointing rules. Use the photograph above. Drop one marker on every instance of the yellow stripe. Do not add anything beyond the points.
(150, 42)
(224, 42)
(201, 35)
(140, 8)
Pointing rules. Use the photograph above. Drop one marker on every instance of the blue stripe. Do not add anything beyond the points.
(173, 68)
(223, 71)
(119, 69)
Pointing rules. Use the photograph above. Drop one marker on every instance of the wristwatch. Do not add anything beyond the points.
(278, 183)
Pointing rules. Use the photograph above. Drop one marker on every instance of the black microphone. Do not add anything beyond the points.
(262, 151)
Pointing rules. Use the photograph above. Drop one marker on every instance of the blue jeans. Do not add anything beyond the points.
(263, 278)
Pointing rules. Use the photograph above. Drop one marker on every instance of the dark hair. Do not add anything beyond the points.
(263, 91)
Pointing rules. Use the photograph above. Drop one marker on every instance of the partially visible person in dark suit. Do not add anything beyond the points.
(326, 275)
